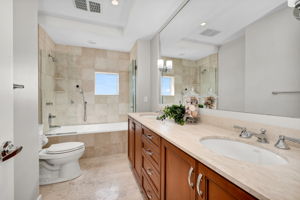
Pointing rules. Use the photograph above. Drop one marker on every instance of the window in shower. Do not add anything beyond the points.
(167, 86)
(106, 83)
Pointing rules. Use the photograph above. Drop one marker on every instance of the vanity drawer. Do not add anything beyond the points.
(151, 136)
(148, 188)
(152, 174)
(151, 152)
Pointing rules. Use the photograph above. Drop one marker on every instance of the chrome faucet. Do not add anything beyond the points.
(244, 133)
(50, 117)
(281, 142)
(261, 137)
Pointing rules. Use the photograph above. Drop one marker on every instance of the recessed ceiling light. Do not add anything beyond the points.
(91, 42)
(115, 2)
(203, 24)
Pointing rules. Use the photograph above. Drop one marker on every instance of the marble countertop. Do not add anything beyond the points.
(265, 182)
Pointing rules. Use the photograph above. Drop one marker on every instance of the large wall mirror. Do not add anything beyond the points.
(243, 57)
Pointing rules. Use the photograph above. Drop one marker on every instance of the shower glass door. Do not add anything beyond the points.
(132, 86)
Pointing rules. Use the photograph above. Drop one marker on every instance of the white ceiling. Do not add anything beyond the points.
(116, 28)
(182, 39)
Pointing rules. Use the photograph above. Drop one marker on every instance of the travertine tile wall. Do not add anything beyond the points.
(97, 144)
(188, 74)
(77, 65)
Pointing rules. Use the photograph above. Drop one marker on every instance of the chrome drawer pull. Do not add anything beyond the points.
(189, 177)
(148, 195)
(149, 137)
(149, 172)
(150, 153)
(199, 179)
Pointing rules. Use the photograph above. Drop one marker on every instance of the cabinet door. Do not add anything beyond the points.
(177, 173)
(216, 187)
(138, 150)
(131, 130)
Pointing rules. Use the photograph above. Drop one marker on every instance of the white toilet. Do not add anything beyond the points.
(60, 162)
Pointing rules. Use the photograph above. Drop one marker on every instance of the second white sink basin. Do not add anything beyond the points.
(242, 151)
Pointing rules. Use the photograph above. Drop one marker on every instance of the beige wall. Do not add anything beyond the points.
(77, 65)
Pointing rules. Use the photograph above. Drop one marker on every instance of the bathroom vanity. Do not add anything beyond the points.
(170, 163)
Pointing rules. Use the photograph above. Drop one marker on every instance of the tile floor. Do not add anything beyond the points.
(103, 178)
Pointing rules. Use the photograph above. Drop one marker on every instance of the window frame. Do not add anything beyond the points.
(172, 86)
(118, 84)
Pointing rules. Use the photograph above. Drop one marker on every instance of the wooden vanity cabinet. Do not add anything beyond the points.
(184, 178)
(177, 174)
(211, 186)
(165, 172)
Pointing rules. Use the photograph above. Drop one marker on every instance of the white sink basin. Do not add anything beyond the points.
(242, 151)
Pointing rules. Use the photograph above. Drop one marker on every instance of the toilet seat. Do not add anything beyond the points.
(64, 147)
(62, 150)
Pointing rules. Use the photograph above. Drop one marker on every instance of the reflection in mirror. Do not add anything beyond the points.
(243, 55)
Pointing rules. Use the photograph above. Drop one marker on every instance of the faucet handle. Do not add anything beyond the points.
(263, 131)
(244, 133)
(281, 143)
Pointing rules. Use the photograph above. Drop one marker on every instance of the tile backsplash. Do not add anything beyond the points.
(77, 66)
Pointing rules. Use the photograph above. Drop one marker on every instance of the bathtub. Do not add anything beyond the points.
(86, 129)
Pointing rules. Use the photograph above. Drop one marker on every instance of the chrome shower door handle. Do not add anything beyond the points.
(9, 150)
(191, 184)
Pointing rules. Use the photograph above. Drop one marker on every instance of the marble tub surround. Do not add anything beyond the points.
(105, 178)
(96, 144)
(267, 182)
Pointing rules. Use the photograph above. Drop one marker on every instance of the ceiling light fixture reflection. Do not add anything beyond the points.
(164, 66)
(203, 24)
(115, 2)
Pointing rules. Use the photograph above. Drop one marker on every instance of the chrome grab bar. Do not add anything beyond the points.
(191, 184)
(285, 92)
